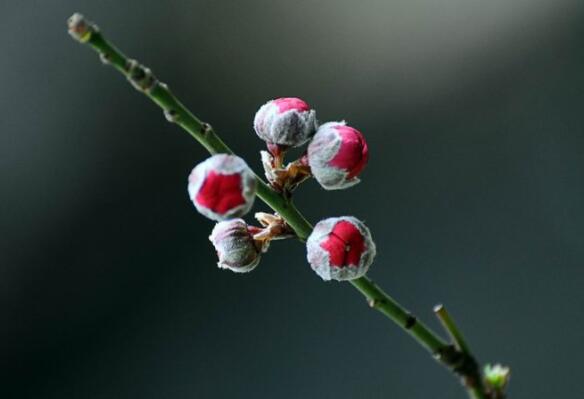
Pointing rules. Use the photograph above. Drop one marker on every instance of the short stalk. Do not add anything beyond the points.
(451, 328)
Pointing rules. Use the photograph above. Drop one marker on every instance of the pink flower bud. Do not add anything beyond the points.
(285, 122)
(340, 248)
(235, 246)
(222, 187)
(337, 154)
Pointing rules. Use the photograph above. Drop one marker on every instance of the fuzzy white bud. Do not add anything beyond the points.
(222, 187)
(285, 122)
(340, 248)
(337, 154)
(235, 246)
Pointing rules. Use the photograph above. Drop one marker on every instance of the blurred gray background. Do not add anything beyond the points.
(474, 194)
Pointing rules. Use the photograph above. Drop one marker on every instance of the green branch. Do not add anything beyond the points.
(468, 366)
(144, 80)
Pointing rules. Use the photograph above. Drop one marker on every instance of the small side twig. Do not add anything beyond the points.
(461, 359)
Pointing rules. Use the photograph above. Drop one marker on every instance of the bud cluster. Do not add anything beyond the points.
(223, 188)
(335, 156)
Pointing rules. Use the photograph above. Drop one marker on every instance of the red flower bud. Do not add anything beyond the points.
(285, 122)
(235, 246)
(337, 154)
(340, 248)
(222, 187)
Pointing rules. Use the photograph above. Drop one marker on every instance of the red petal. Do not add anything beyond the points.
(345, 245)
(288, 103)
(220, 193)
(353, 152)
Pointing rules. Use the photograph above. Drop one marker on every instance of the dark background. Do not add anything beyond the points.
(474, 194)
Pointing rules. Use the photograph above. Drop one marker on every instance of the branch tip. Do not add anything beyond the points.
(438, 308)
(80, 28)
(451, 328)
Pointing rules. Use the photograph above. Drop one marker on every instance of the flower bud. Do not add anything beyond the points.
(340, 248)
(287, 122)
(497, 376)
(336, 155)
(235, 246)
(222, 187)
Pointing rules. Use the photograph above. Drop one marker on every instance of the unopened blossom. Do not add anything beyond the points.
(236, 248)
(285, 122)
(340, 248)
(222, 187)
(337, 155)
(497, 376)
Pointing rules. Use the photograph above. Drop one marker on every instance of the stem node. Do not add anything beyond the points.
(410, 321)
(171, 115)
(140, 77)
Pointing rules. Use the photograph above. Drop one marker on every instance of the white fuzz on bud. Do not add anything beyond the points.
(340, 248)
(337, 154)
(287, 122)
(222, 187)
(235, 246)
